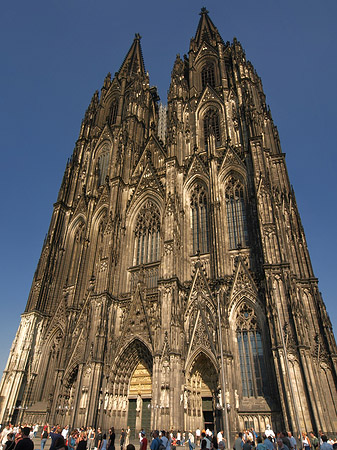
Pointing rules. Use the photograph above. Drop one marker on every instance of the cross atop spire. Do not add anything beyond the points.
(203, 11)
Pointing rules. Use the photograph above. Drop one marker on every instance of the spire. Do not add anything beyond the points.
(133, 62)
(206, 30)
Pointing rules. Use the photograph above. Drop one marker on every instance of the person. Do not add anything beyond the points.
(247, 445)
(269, 433)
(44, 436)
(198, 435)
(305, 441)
(104, 443)
(143, 442)
(122, 439)
(191, 443)
(164, 439)
(205, 443)
(91, 438)
(82, 441)
(60, 444)
(35, 430)
(222, 445)
(130, 447)
(155, 441)
(220, 436)
(72, 440)
(325, 445)
(313, 440)
(281, 445)
(214, 443)
(10, 443)
(238, 443)
(260, 445)
(112, 437)
(127, 436)
(54, 436)
(65, 432)
(292, 440)
(25, 443)
(285, 439)
(98, 438)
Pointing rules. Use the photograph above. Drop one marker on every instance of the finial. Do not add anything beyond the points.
(203, 11)
(138, 37)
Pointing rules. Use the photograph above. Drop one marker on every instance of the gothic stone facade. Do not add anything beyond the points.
(174, 288)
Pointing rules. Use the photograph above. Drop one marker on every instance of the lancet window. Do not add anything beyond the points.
(103, 166)
(113, 112)
(236, 214)
(76, 253)
(252, 364)
(207, 75)
(147, 234)
(211, 125)
(199, 215)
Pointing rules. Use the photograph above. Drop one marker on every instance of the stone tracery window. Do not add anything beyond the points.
(236, 214)
(199, 214)
(112, 117)
(147, 234)
(211, 125)
(76, 252)
(207, 75)
(103, 166)
(252, 365)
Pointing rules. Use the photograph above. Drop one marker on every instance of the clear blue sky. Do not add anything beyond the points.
(56, 53)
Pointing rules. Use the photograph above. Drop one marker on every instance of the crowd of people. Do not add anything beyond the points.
(89, 438)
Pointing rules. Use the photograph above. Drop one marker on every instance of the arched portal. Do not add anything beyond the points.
(132, 382)
(202, 394)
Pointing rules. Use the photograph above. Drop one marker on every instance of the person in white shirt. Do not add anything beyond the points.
(197, 435)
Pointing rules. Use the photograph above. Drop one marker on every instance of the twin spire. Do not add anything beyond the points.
(134, 62)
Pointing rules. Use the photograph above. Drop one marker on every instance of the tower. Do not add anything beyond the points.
(174, 287)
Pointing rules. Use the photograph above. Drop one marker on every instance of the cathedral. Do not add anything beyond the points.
(174, 288)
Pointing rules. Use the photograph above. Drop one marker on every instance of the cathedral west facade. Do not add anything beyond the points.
(174, 287)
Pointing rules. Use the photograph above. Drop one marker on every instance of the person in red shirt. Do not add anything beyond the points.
(143, 442)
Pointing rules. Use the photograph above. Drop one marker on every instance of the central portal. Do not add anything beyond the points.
(203, 395)
(140, 394)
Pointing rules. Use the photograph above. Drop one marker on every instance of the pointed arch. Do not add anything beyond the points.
(236, 214)
(199, 208)
(208, 74)
(211, 125)
(130, 355)
(77, 236)
(249, 328)
(147, 234)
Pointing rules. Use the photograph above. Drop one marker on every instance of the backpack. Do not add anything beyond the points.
(161, 445)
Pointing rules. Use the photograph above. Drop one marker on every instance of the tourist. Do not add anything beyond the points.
(155, 441)
(292, 440)
(25, 443)
(281, 445)
(221, 445)
(10, 443)
(313, 440)
(127, 436)
(325, 445)
(238, 443)
(60, 443)
(44, 436)
(305, 441)
(143, 442)
(54, 436)
(104, 443)
(260, 445)
(72, 440)
(122, 439)
(112, 437)
(191, 443)
(198, 435)
(98, 438)
(91, 438)
(82, 441)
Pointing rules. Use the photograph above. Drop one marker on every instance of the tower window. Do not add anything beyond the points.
(113, 112)
(211, 125)
(236, 214)
(207, 75)
(199, 215)
(252, 365)
(147, 234)
(103, 166)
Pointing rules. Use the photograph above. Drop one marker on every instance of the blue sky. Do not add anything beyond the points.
(55, 54)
